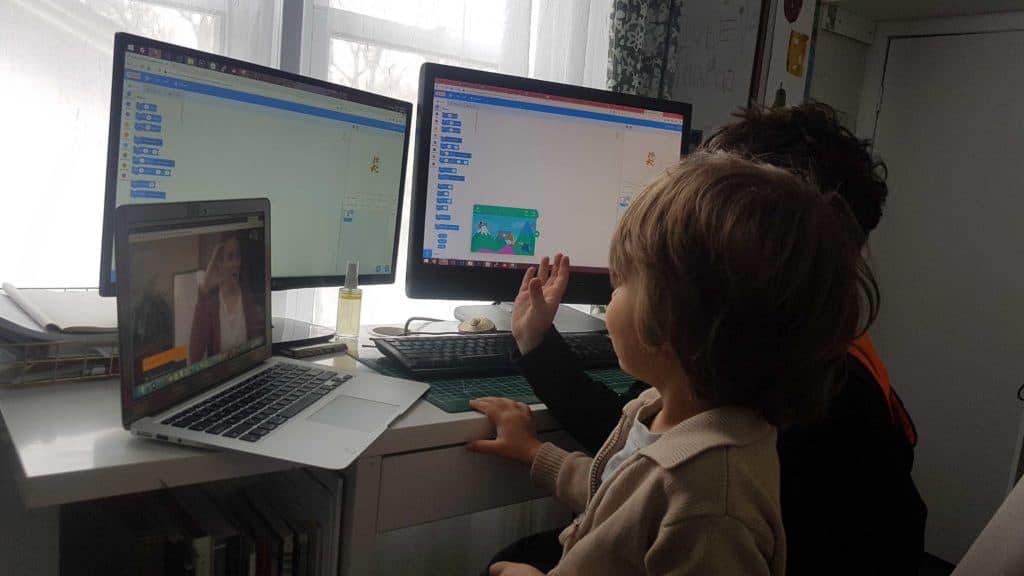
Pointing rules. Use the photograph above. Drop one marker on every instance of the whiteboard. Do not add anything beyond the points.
(715, 58)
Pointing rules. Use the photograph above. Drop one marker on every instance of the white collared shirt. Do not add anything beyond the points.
(640, 437)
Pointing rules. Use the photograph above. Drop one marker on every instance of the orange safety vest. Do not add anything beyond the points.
(864, 351)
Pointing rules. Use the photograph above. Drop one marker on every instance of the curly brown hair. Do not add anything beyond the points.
(752, 276)
(809, 140)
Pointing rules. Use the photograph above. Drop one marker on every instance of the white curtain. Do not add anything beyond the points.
(55, 68)
(379, 45)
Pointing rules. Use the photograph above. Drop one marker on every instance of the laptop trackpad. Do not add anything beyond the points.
(355, 413)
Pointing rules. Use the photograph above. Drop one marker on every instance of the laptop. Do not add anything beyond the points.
(193, 306)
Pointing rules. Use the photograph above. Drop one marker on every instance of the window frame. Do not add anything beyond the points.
(326, 24)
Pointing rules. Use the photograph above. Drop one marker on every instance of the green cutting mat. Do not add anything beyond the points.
(454, 394)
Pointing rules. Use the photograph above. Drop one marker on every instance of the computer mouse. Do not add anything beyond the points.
(476, 326)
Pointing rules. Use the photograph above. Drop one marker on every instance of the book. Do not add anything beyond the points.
(310, 506)
(65, 312)
(258, 499)
(159, 548)
(246, 552)
(292, 502)
(16, 326)
(266, 553)
(324, 487)
(222, 545)
(198, 545)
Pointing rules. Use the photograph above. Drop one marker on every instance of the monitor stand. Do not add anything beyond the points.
(566, 319)
(292, 332)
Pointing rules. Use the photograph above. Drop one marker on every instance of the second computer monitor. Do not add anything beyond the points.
(508, 170)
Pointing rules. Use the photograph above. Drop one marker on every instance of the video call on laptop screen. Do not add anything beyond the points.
(504, 183)
(197, 298)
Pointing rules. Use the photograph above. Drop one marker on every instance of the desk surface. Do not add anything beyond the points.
(72, 447)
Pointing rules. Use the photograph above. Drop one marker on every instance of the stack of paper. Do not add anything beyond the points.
(56, 335)
(46, 315)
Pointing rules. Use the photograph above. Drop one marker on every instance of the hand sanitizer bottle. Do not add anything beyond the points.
(350, 301)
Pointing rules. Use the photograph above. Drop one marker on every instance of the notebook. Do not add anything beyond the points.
(193, 304)
(68, 312)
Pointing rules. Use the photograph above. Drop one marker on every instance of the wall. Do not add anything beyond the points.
(29, 539)
(715, 59)
(778, 50)
(834, 66)
(944, 292)
(875, 65)
(716, 49)
(838, 73)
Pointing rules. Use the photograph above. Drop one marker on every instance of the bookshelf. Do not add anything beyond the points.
(278, 524)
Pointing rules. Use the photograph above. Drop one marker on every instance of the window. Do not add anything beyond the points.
(55, 59)
(379, 45)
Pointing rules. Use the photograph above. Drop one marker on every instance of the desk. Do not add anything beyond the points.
(71, 446)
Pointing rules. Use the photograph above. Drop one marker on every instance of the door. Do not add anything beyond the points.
(949, 256)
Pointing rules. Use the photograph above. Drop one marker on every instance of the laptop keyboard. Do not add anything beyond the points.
(254, 407)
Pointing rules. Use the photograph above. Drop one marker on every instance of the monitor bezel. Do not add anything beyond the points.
(128, 216)
(475, 283)
(108, 286)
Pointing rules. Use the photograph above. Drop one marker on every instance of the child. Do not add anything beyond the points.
(737, 294)
(847, 479)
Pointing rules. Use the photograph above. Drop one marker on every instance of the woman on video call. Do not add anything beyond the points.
(226, 315)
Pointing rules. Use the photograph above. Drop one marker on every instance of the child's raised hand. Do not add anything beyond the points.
(513, 569)
(537, 302)
(514, 438)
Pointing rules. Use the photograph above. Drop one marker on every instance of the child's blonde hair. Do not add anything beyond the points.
(752, 277)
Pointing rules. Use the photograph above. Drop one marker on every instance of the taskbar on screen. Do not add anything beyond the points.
(504, 265)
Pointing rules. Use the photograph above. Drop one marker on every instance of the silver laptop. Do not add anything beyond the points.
(193, 304)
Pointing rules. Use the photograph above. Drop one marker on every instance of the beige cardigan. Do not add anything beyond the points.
(703, 499)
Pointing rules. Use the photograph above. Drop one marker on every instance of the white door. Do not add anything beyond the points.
(949, 256)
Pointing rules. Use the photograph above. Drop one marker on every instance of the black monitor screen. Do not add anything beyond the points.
(187, 125)
(509, 170)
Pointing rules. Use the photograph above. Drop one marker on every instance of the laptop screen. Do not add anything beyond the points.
(198, 296)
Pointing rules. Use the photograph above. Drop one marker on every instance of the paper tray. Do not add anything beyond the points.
(80, 359)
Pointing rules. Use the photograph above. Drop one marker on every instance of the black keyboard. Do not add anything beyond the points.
(468, 354)
(254, 407)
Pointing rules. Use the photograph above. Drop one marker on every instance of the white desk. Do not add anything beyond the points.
(72, 447)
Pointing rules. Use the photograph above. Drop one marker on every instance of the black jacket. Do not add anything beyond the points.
(849, 504)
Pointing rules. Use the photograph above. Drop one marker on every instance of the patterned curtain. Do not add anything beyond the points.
(642, 46)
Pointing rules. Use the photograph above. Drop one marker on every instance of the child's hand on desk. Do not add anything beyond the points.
(515, 438)
(537, 302)
(513, 569)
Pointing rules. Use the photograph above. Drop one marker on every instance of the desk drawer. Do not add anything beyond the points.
(431, 485)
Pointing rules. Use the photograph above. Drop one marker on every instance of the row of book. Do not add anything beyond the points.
(282, 524)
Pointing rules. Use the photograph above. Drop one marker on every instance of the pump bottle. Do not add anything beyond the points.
(350, 301)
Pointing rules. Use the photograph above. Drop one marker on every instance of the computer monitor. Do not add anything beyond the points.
(189, 125)
(508, 170)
